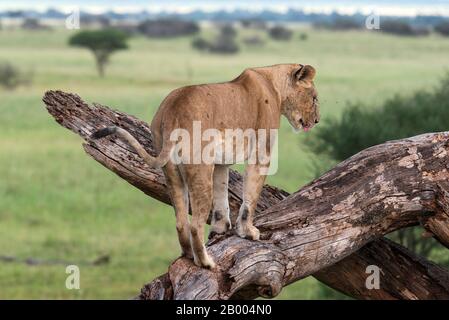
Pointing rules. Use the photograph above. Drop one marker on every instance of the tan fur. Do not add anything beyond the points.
(254, 100)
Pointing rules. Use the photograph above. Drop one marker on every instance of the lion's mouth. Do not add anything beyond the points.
(304, 126)
(297, 127)
(299, 124)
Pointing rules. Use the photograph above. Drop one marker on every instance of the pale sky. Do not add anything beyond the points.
(383, 7)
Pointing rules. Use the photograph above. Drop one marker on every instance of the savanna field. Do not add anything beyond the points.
(56, 204)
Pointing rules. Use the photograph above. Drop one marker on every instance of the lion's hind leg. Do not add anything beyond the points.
(180, 200)
(199, 179)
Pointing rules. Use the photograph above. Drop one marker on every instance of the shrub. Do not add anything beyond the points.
(228, 30)
(303, 36)
(280, 33)
(224, 44)
(398, 117)
(345, 24)
(443, 28)
(255, 41)
(95, 20)
(200, 44)
(340, 24)
(402, 28)
(421, 31)
(11, 76)
(253, 24)
(33, 24)
(166, 28)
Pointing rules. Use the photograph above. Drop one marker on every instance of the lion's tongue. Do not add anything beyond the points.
(306, 129)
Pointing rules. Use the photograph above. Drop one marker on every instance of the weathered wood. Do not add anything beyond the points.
(425, 280)
(379, 190)
(438, 225)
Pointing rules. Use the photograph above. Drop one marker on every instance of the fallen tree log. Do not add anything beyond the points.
(404, 275)
(377, 191)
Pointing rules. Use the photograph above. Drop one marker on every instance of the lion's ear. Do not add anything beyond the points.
(305, 73)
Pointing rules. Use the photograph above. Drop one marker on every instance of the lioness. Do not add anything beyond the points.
(254, 100)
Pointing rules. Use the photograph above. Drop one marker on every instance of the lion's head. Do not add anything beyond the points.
(300, 104)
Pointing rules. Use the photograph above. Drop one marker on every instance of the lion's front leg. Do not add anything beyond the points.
(254, 179)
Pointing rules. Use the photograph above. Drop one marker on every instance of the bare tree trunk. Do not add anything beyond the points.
(316, 230)
(101, 60)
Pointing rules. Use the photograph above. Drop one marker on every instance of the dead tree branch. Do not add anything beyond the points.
(324, 229)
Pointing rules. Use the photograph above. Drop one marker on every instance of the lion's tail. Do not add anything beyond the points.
(154, 162)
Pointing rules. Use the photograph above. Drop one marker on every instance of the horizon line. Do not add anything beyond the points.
(385, 10)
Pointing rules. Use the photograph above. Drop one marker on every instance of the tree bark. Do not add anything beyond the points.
(403, 274)
(324, 229)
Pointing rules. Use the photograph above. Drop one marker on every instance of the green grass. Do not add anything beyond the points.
(53, 200)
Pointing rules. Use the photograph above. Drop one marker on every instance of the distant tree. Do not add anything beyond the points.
(200, 44)
(102, 43)
(228, 30)
(245, 23)
(11, 76)
(95, 19)
(443, 28)
(321, 25)
(303, 36)
(339, 24)
(257, 24)
(165, 28)
(421, 31)
(280, 33)
(33, 24)
(224, 44)
(15, 14)
(345, 24)
(402, 28)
